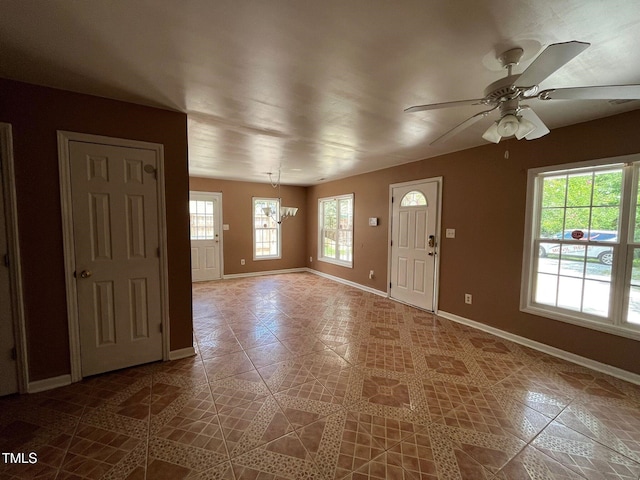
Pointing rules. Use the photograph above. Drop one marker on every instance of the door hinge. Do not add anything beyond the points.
(6, 262)
(14, 354)
(160, 328)
(389, 284)
(158, 252)
(392, 243)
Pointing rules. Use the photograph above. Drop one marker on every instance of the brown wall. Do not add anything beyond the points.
(237, 213)
(484, 198)
(36, 113)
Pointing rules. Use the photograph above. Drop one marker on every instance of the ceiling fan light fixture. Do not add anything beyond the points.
(508, 125)
(492, 135)
(525, 127)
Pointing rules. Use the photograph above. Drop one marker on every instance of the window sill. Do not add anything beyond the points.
(336, 262)
(257, 259)
(601, 326)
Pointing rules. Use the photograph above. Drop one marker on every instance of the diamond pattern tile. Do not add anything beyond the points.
(299, 377)
(583, 455)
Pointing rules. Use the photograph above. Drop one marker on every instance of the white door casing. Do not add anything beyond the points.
(13, 361)
(8, 366)
(206, 236)
(115, 252)
(414, 243)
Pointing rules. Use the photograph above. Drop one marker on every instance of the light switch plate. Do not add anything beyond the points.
(451, 233)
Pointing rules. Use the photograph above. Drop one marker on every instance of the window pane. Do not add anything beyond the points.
(551, 222)
(633, 314)
(577, 219)
(329, 243)
(413, 198)
(548, 261)
(346, 214)
(596, 298)
(330, 214)
(546, 289)
(579, 190)
(572, 261)
(554, 191)
(570, 293)
(605, 218)
(608, 188)
(599, 263)
(345, 245)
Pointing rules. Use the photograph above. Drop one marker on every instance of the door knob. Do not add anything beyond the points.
(85, 274)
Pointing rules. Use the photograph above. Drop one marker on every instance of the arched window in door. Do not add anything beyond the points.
(413, 198)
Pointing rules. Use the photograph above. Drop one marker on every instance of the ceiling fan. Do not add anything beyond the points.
(505, 95)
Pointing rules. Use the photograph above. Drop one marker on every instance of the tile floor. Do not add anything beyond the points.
(300, 377)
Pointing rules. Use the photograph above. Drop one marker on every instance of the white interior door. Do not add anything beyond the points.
(205, 211)
(117, 249)
(414, 225)
(8, 366)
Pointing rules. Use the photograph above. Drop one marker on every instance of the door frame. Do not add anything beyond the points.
(436, 266)
(218, 197)
(15, 269)
(64, 167)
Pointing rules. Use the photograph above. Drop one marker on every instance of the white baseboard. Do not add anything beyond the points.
(268, 272)
(182, 353)
(556, 352)
(347, 282)
(48, 384)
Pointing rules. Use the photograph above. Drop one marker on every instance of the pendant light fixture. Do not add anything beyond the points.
(284, 211)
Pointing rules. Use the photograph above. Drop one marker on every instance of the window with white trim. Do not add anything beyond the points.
(582, 245)
(266, 231)
(201, 219)
(335, 229)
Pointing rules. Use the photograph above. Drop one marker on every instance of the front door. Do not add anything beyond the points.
(117, 249)
(9, 383)
(205, 211)
(414, 225)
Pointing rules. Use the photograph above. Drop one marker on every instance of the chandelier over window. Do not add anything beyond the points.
(284, 211)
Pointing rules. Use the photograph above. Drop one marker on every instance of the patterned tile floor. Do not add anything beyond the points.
(299, 377)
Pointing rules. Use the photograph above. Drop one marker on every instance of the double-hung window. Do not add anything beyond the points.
(335, 228)
(266, 231)
(582, 245)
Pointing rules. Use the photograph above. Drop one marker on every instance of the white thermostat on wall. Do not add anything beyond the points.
(373, 222)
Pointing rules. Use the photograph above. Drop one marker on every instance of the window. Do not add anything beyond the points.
(266, 231)
(335, 227)
(201, 219)
(582, 245)
(413, 198)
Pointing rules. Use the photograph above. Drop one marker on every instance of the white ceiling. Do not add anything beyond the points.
(316, 88)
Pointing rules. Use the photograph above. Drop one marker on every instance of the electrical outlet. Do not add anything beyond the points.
(310, 259)
(242, 261)
(370, 274)
(467, 298)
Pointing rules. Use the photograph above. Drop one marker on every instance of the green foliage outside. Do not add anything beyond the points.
(589, 201)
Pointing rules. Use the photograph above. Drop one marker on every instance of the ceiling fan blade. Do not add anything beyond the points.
(464, 125)
(435, 106)
(551, 59)
(607, 92)
(541, 129)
